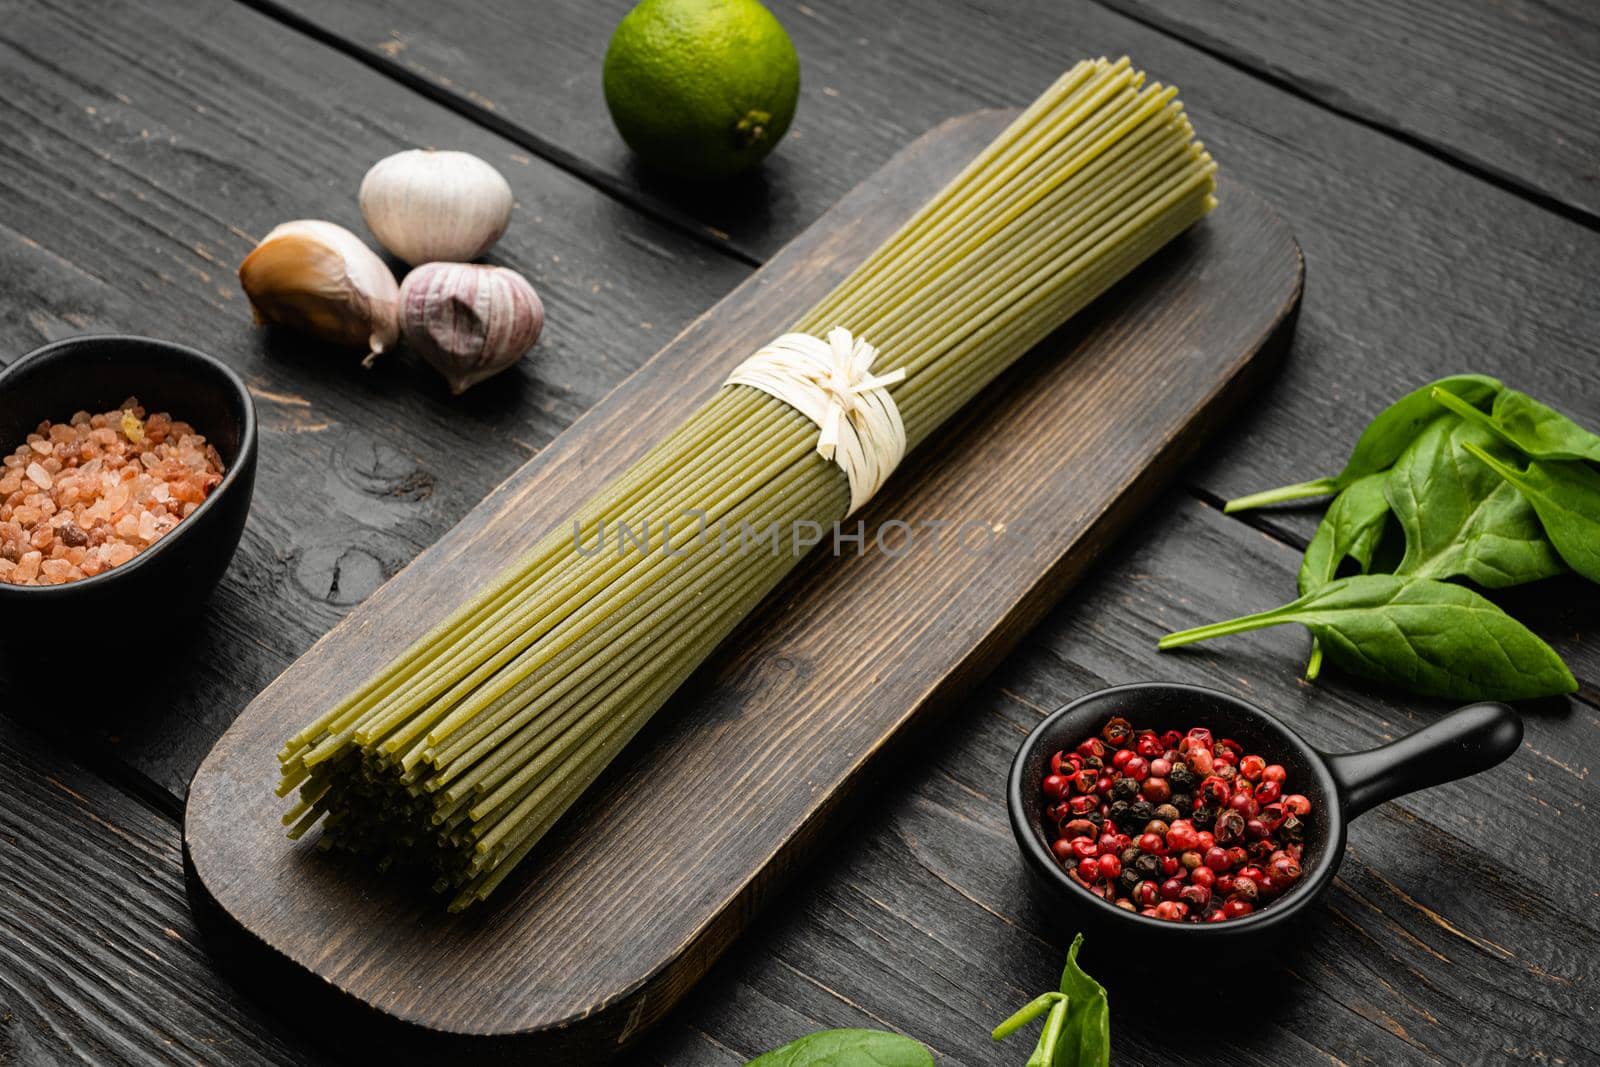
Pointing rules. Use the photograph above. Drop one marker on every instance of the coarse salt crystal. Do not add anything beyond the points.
(77, 498)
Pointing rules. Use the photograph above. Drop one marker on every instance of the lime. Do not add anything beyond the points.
(701, 88)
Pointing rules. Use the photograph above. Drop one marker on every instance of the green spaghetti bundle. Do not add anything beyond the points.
(460, 754)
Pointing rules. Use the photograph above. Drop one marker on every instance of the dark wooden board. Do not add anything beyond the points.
(146, 148)
(1438, 943)
(99, 960)
(1418, 268)
(1499, 87)
(582, 952)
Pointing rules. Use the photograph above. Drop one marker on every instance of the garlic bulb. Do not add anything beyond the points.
(321, 278)
(469, 321)
(427, 206)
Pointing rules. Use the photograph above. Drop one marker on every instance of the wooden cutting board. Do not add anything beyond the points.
(733, 787)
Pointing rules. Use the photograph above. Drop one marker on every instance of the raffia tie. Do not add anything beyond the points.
(828, 382)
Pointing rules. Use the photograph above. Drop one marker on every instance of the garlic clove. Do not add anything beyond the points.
(426, 206)
(469, 321)
(319, 277)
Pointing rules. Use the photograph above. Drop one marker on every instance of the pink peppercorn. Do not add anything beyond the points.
(1156, 785)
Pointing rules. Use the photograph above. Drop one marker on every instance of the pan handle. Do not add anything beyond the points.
(1466, 741)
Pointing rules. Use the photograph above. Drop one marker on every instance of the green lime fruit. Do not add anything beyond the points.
(701, 88)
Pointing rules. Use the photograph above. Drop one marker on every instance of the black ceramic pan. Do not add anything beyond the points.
(1340, 787)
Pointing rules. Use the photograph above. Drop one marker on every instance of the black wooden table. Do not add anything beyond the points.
(1440, 164)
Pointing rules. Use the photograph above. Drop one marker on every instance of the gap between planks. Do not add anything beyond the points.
(1484, 172)
(117, 773)
(596, 178)
(664, 212)
(680, 221)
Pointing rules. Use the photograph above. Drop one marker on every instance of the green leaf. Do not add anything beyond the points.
(1049, 1050)
(1350, 530)
(1529, 426)
(1077, 1030)
(1541, 431)
(1026, 1014)
(1566, 496)
(1460, 517)
(1382, 442)
(1429, 637)
(847, 1048)
(1086, 1039)
(1045, 1049)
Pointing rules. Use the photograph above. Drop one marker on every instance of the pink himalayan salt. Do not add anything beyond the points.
(80, 497)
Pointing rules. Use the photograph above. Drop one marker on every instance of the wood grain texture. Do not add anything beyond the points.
(1437, 944)
(1418, 269)
(1500, 87)
(146, 148)
(580, 952)
(99, 960)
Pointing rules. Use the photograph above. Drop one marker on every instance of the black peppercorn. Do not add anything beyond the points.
(1183, 802)
(1204, 816)
(1096, 818)
(1128, 879)
(1140, 812)
(1147, 866)
(1167, 813)
(1181, 778)
(1129, 855)
(1125, 789)
(1118, 812)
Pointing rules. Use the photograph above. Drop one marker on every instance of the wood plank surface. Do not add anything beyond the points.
(1439, 943)
(578, 952)
(213, 114)
(1418, 269)
(395, 462)
(146, 149)
(99, 960)
(1497, 87)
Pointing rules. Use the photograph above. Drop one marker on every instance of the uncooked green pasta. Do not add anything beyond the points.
(460, 754)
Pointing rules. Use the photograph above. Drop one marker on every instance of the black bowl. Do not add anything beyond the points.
(96, 373)
(1340, 787)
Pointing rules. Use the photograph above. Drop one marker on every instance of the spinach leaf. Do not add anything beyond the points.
(1537, 429)
(1351, 529)
(1077, 1026)
(1086, 1041)
(1051, 1050)
(1381, 443)
(1047, 1051)
(1434, 638)
(847, 1048)
(1566, 496)
(1459, 517)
